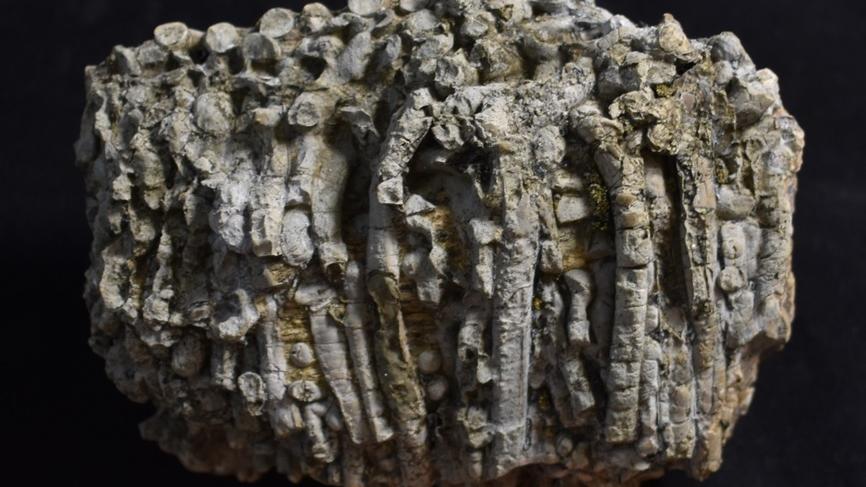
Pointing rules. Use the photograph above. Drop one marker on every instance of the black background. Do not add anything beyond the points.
(807, 425)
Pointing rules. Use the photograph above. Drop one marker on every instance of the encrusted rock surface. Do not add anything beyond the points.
(439, 242)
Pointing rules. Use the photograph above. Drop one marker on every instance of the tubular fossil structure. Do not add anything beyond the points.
(439, 243)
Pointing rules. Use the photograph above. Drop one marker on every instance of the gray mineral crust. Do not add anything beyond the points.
(453, 242)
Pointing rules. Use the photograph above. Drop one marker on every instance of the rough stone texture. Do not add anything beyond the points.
(439, 242)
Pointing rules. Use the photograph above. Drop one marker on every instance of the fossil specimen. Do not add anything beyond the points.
(439, 242)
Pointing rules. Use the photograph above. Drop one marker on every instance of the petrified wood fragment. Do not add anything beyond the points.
(439, 242)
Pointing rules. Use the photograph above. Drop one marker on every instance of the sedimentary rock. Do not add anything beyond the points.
(439, 242)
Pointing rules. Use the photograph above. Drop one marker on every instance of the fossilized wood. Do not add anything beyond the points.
(439, 242)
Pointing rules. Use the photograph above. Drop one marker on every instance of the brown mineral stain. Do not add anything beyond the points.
(293, 326)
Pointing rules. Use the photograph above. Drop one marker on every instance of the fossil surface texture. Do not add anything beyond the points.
(454, 242)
